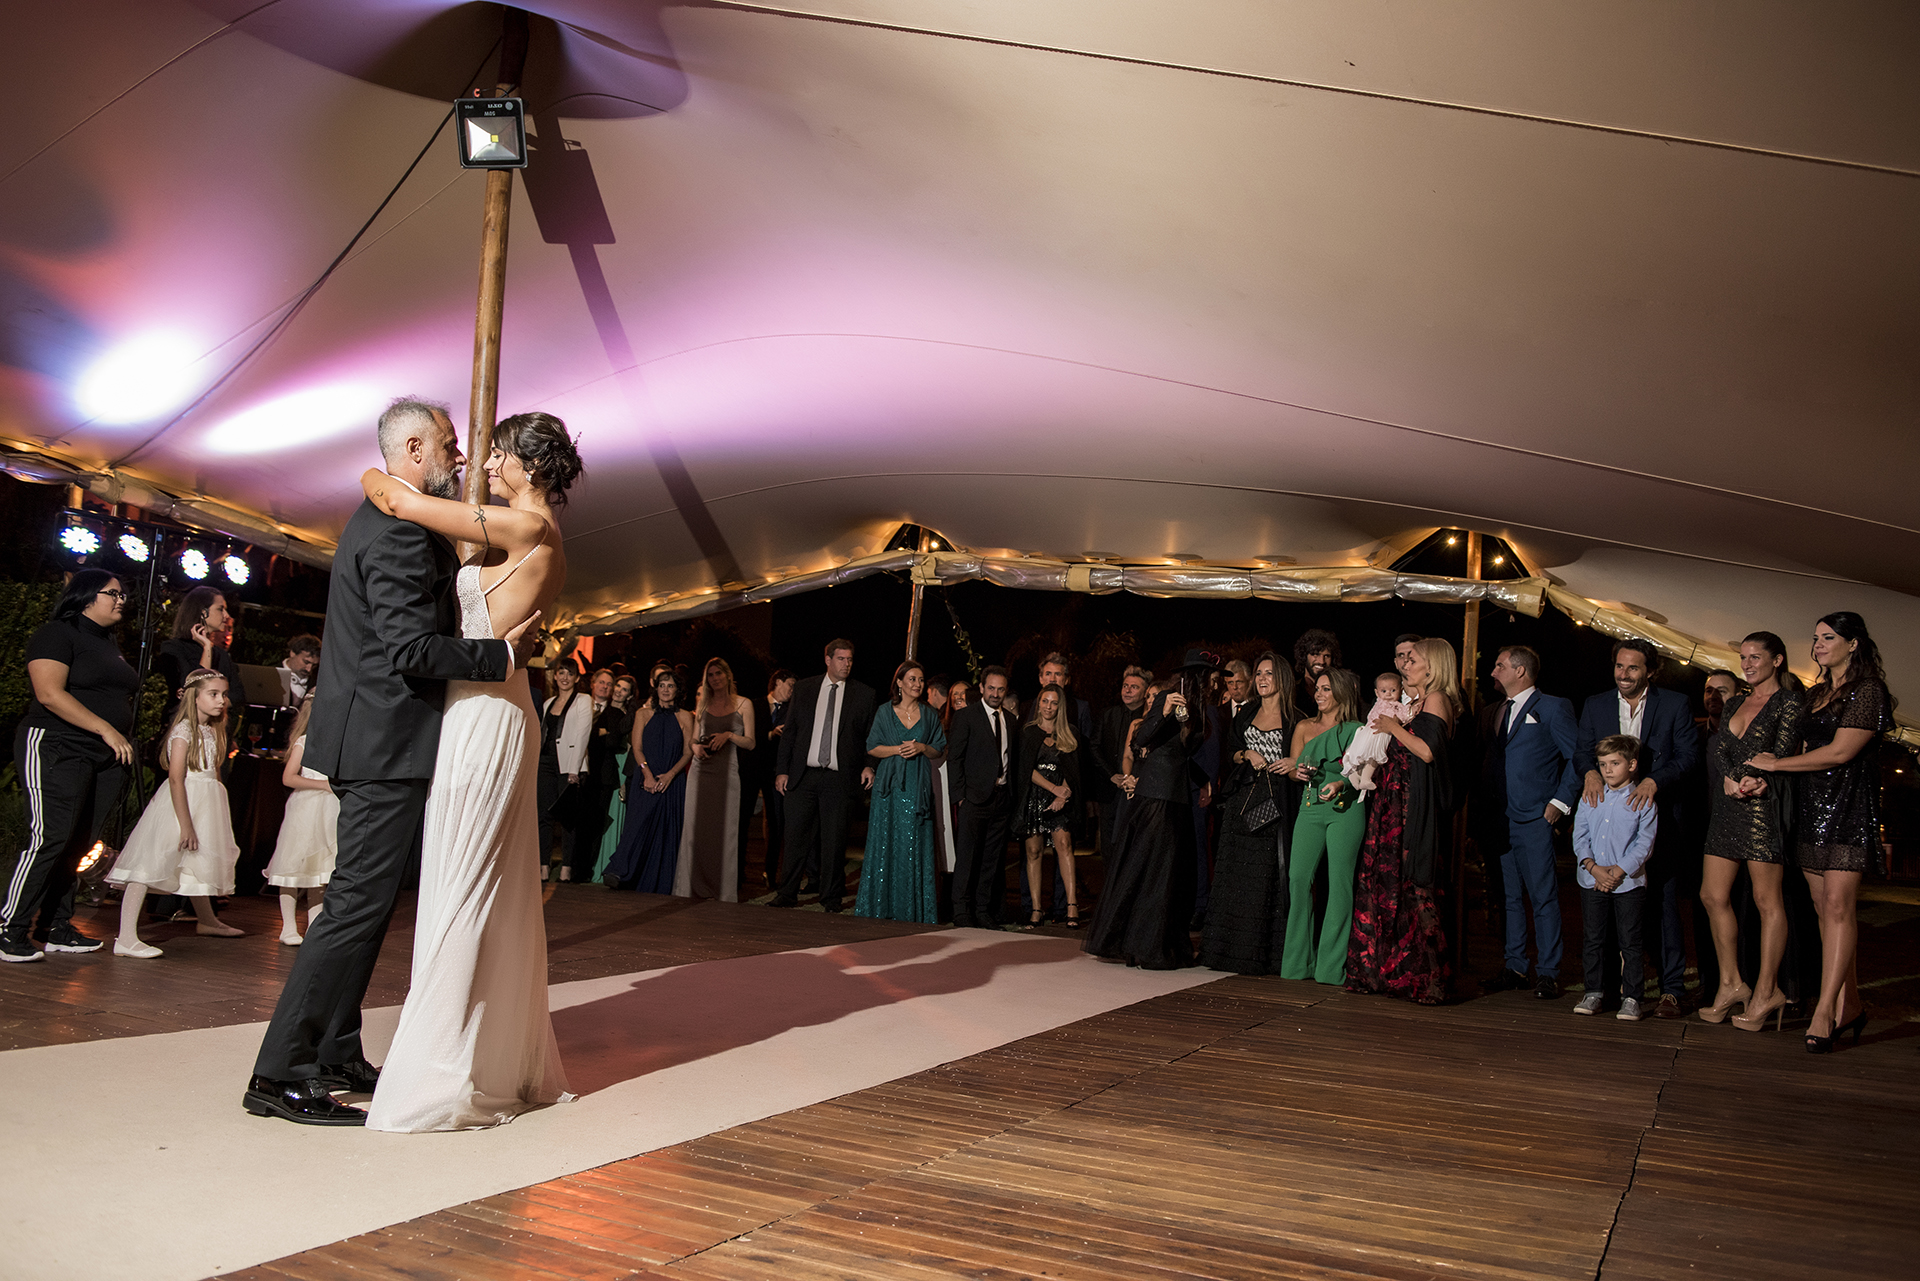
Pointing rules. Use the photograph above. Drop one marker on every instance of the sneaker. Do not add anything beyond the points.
(1589, 1004)
(65, 938)
(1630, 1010)
(19, 950)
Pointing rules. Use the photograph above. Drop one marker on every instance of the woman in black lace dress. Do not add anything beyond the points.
(1247, 908)
(1145, 909)
(1847, 711)
(1748, 828)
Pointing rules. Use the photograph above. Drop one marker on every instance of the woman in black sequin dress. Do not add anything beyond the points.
(1848, 710)
(1748, 827)
(1045, 780)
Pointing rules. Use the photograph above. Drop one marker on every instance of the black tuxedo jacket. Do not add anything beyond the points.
(392, 644)
(856, 718)
(973, 755)
(605, 742)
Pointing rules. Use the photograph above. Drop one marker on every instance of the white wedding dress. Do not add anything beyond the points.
(475, 1045)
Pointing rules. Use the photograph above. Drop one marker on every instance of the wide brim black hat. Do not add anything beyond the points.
(1201, 658)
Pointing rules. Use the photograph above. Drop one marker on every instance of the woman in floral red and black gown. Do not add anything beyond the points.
(1399, 944)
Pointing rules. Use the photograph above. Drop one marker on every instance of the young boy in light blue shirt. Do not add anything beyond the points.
(1612, 842)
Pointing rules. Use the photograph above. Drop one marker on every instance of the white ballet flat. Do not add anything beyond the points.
(220, 931)
(291, 939)
(139, 951)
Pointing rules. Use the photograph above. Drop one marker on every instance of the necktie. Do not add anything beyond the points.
(825, 748)
(1506, 714)
(999, 743)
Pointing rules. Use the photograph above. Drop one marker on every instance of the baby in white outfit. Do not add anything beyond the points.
(1369, 746)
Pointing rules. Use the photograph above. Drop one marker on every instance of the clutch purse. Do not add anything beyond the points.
(1260, 809)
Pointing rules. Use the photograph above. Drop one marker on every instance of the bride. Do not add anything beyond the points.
(475, 1044)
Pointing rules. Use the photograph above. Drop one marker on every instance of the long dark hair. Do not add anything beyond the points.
(82, 589)
(193, 611)
(1777, 648)
(1283, 682)
(1865, 663)
(1191, 683)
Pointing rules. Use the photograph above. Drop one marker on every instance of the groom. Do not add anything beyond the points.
(392, 641)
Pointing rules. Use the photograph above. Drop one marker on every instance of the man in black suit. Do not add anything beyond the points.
(392, 644)
(767, 755)
(601, 778)
(1112, 745)
(822, 747)
(980, 757)
(1669, 753)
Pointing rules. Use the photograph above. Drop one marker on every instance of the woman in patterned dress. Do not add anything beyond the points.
(1399, 944)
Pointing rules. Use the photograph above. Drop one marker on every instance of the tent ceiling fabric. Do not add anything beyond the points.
(1633, 286)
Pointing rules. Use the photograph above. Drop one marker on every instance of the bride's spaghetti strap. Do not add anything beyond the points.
(488, 591)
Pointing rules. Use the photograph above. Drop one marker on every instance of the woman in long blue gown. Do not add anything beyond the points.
(656, 793)
(896, 876)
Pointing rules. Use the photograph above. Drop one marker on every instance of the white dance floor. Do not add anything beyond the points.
(132, 1157)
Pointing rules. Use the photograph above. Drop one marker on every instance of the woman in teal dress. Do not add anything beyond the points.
(626, 692)
(896, 877)
(1332, 825)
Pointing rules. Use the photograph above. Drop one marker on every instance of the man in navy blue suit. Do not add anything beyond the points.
(1669, 751)
(1531, 761)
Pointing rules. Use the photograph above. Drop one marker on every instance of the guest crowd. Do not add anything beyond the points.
(1283, 815)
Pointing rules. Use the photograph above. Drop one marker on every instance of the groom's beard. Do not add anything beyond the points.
(444, 483)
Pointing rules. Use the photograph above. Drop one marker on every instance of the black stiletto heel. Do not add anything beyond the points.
(1073, 916)
(1857, 1026)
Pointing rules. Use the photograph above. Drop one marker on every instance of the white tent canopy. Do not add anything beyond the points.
(1631, 285)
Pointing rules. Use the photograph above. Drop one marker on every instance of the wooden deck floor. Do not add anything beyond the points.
(1248, 1128)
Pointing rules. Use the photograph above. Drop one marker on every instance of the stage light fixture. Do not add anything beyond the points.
(492, 133)
(79, 540)
(135, 548)
(236, 569)
(138, 380)
(193, 563)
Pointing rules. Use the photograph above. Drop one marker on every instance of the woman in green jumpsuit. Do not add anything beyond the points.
(1332, 824)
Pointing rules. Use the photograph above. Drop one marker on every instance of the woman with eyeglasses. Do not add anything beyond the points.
(72, 753)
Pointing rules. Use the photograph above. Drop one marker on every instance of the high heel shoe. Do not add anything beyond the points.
(1718, 1011)
(1856, 1025)
(1073, 916)
(1035, 918)
(1755, 1020)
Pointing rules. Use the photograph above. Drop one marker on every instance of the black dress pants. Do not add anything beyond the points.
(318, 1018)
(817, 833)
(979, 859)
(582, 829)
(71, 782)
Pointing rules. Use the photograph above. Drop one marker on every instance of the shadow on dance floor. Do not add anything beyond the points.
(697, 1011)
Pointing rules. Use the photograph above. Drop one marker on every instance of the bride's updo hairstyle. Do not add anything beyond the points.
(541, 443)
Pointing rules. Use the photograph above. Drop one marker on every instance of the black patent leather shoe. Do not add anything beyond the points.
(353, 1078)
(1547, 989)
(302, 1102)
(1507, 981)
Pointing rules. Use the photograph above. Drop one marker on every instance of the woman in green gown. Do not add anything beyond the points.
(896, 876)
(1332, 825)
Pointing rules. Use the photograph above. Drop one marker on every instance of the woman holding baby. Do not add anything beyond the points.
(1399, 944)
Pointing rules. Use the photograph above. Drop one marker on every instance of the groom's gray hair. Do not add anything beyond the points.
(403, 418)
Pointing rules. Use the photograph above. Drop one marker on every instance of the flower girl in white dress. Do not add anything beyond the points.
(475, 1043)
(183, 843)
(309, 841)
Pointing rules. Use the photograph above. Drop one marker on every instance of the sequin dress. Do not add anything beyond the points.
(1840, 807)
(1753, 829)
(896, 874)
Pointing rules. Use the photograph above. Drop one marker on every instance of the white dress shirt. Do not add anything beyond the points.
(1514, 715)
(832, 760)
(295, 684)
(1631, 717)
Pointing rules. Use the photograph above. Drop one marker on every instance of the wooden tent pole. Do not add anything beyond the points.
(913, 610)
(1470, 642)
(493, 277)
